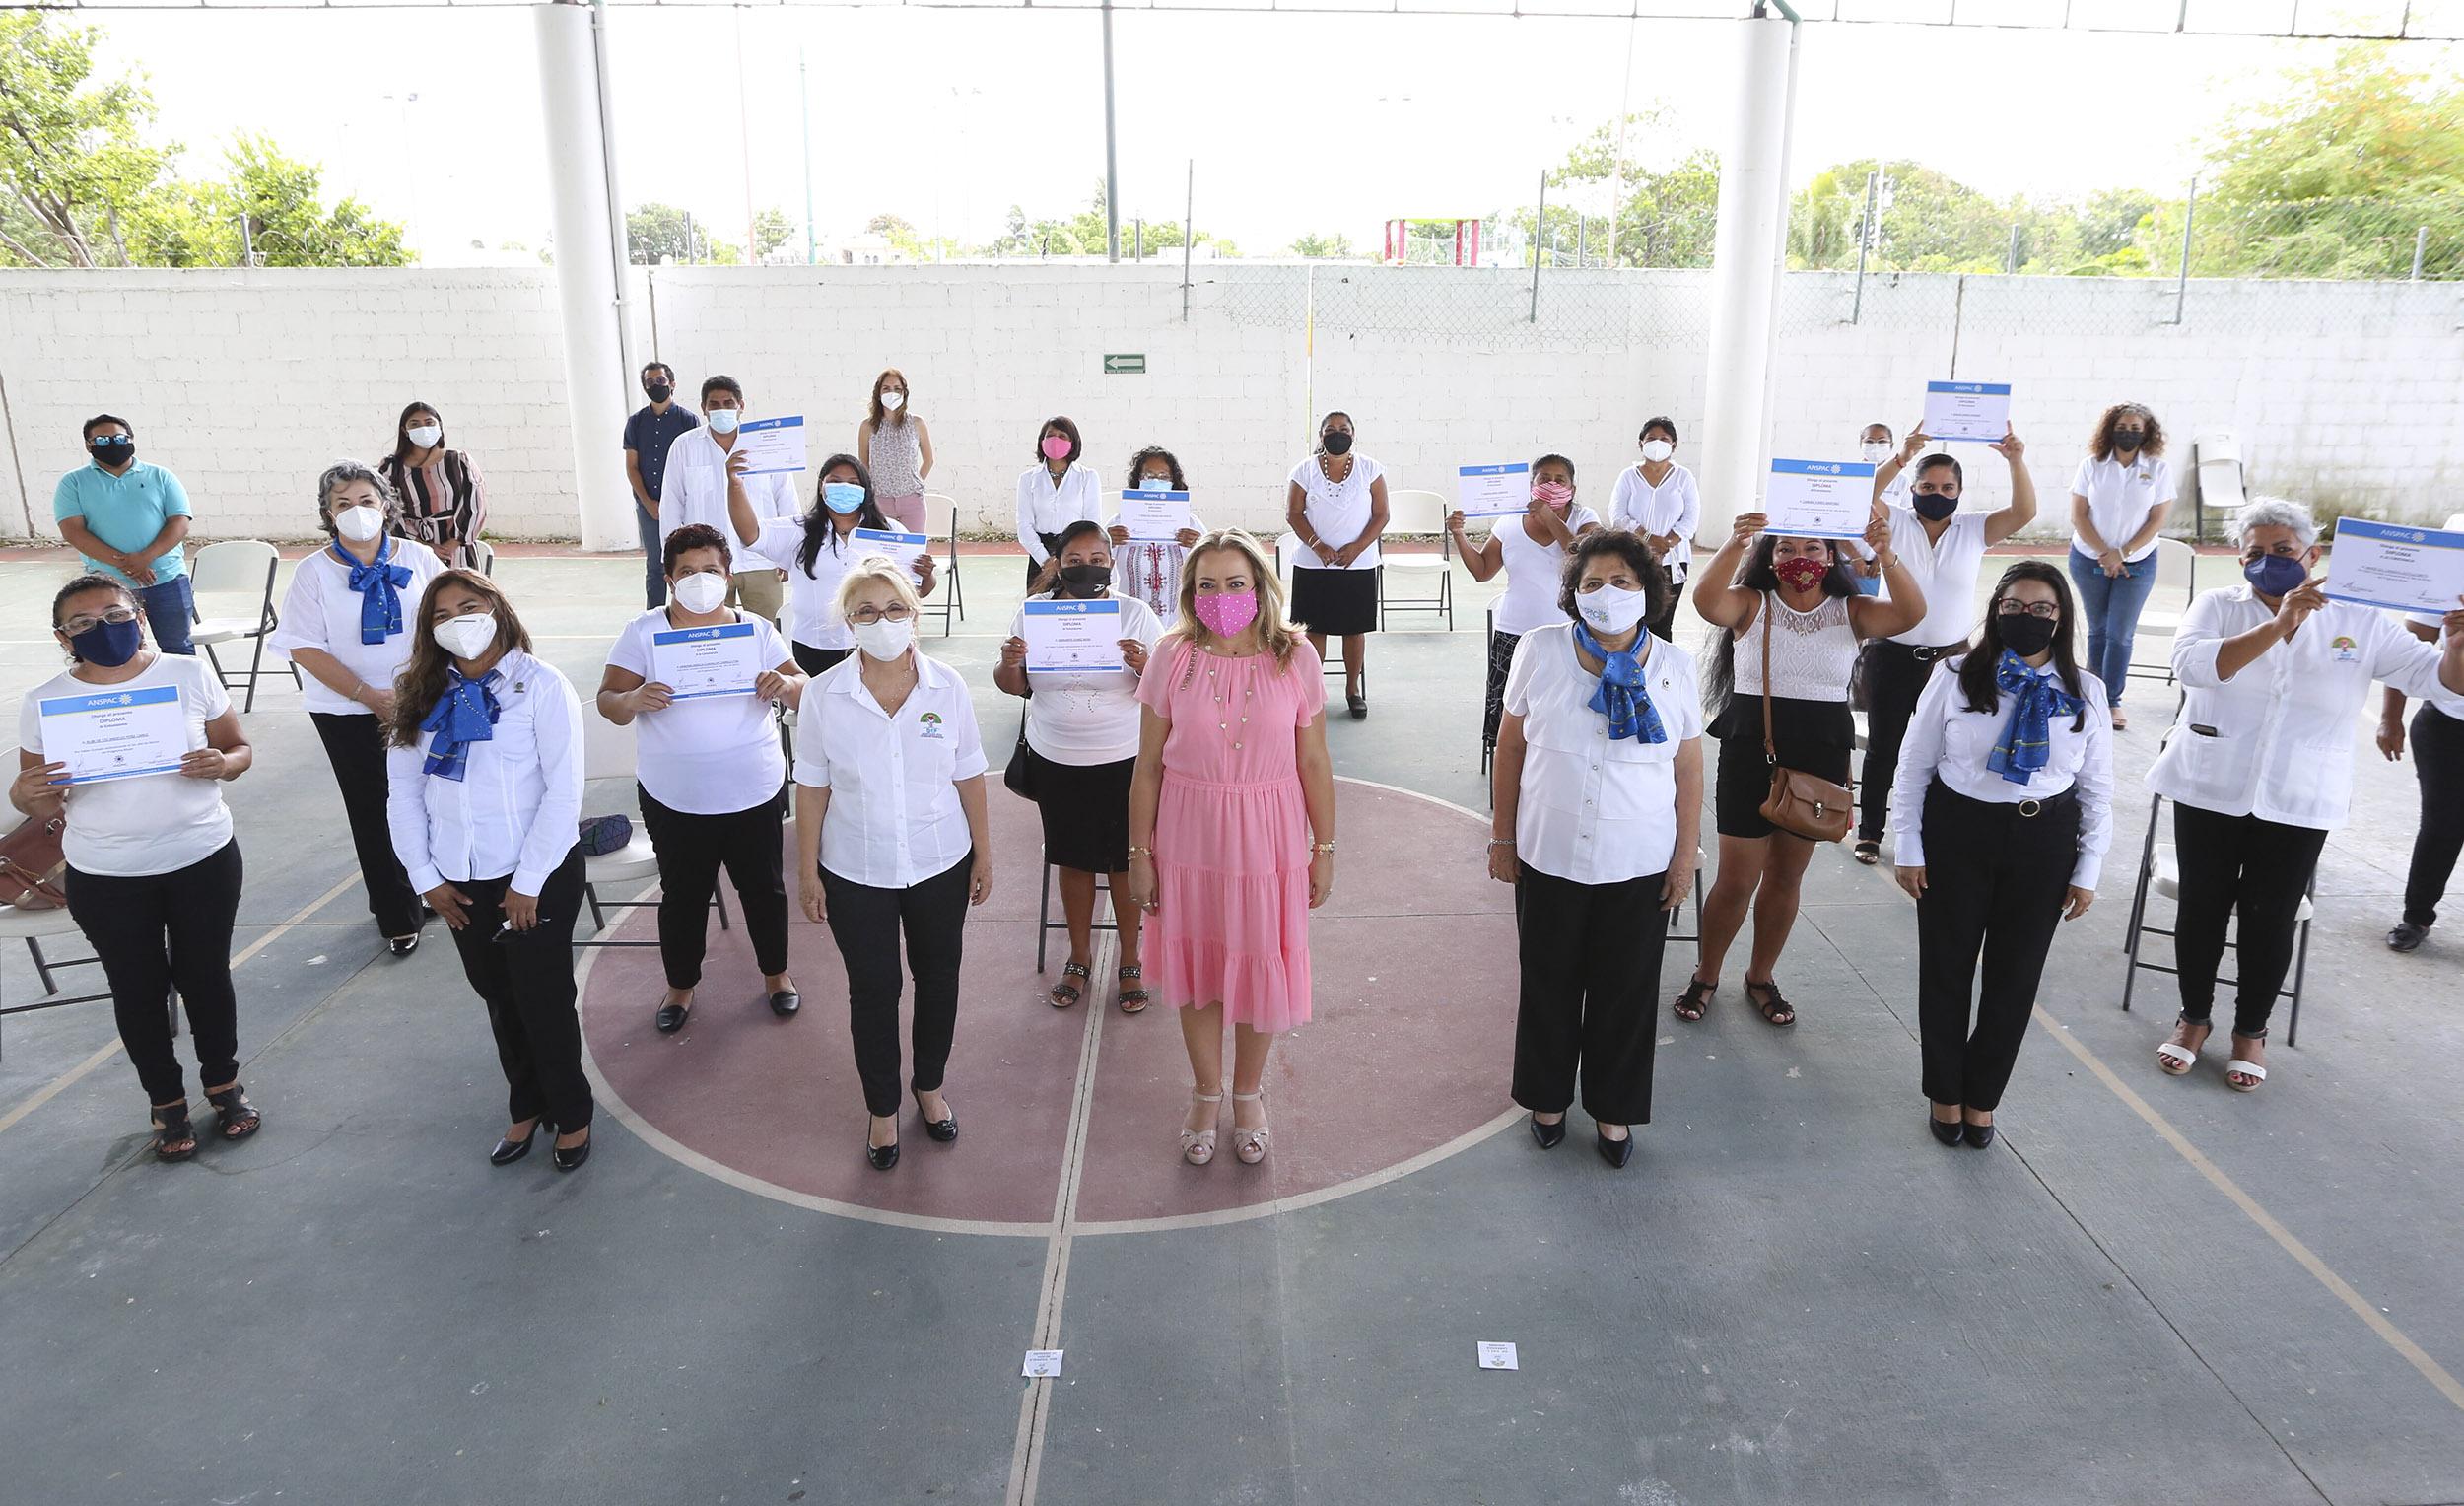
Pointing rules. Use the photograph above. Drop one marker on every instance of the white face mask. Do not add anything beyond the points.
(893, 401)
(884, 641)
(360, 524)
(1877, 451)
(701, 591)
(425, 435)
(722, 420)
(1656, 450)
(468, 637)
(1610, 608)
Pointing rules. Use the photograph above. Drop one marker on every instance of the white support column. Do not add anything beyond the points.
(589, 267)
(1746, 252)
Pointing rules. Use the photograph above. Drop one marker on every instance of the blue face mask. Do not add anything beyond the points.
(109, 644)
(842, 496)
(2275, 575)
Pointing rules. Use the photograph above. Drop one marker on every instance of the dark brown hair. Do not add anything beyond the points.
(690, 538)
(1626, 546)
(881, 415)
(1069, 430)
(402, 429)
(2101, 444)
(421, 684)
(1137, 467)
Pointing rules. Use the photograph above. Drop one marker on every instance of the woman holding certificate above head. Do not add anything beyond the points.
(1777, 696)
(1530, 548)
(815, 551)
(346, 621)
(1054, 493)
(1657, 498)
(153, 872)
(2259, 763)
(485, 778)
(1231, 829)
(698, 679)
(2119, 497)
(1079, 748)
(1335, 507)
(1149, 569)
(892, 834)
(894, 445)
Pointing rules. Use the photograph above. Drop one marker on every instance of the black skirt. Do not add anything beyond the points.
(1335, 602)
(1816, 738)
(1086, 812)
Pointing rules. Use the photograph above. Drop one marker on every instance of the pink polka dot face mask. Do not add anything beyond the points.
(1227, 614)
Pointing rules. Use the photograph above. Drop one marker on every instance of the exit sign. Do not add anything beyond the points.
(1125, 365)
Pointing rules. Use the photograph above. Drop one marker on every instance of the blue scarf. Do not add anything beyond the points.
(381, 599)
(1621, 696)
(466, 714)
(2028, 737)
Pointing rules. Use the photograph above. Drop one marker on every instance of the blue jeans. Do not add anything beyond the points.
(2111, 606)
(653, 538)
(170, 612)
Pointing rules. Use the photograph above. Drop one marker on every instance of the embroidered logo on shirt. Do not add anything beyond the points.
(930, 723)
(2346, 651)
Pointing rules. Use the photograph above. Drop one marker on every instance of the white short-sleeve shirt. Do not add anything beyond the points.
(1596, 809)
(2120, 497)
(1674, 506)
(322, 611)
(1535, 572)
(1084, 720)
(813, 595)
(895, 819)
(1947, 741)
(694, 490)
(153, 823)
(712, 755)
(1337, 512)
(1946, 570)
(516, 811)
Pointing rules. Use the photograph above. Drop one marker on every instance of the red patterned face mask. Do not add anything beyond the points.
(1801, 573)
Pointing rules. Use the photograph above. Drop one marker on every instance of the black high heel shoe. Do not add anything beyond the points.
(944, 1129)
(571, 1159)
(1550, 1137)
(1616, 1152)
(1979, 1136)
(1949, 1131)
(506, 1152)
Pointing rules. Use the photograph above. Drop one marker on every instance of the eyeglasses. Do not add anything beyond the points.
(115, 616)
(2043, 609)
(867, 616)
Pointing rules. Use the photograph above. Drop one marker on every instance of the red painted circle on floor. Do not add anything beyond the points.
(1409, 1050)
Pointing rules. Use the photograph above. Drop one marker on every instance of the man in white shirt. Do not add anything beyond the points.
(1944, 548)
(702, 469)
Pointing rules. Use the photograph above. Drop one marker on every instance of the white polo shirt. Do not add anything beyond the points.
(1048, 507)
(1337, 512)
(894, 818)
(694, 490)
(1596, 809)
(1087, 718)
(1948, 740)
(1946, 570)
(151, 823)
(2276, 740)
(2119, 498)
(322, 611)
(517, 808)
(1535, 572)
(1674, 506)
(710, 755)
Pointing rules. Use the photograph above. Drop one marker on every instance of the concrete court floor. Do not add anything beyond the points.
(2149, 1290)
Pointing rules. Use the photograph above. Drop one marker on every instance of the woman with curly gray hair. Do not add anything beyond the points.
(344, 622)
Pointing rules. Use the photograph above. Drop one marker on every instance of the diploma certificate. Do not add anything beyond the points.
(2408, 569)
(1155, 517)
(1819, 498)
(1968, 410)
(1064, 636)
(773, 445)
(693, 663)
(116, 734)
(1493, 490)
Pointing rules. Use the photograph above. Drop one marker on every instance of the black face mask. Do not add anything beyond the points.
(1934, 507)
(2026, 634)
(657, 392)
(1086, 579)
(116, 449)
(1337, 441)
(2128, 439)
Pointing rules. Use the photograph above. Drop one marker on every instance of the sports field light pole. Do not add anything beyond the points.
(1746, 262)
(1112, 153)
(589, 261)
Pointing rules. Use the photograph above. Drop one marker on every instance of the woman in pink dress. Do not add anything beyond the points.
(1232, 781)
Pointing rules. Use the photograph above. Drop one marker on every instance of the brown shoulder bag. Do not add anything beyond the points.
(30, 865)
(1800, 803)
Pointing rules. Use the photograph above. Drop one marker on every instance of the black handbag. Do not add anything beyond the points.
(1019, 777)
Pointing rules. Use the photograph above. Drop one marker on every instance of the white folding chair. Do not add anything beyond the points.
(2160, 873)
(2216, 459)
(236, 578)
(942, 526)
(2168, 602)
(1411, 512)
(483, 555)
(607, 753)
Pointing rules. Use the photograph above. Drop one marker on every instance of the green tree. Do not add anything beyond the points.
(658, 233)
(1314, 245)
(1666, 214)
(269, 204)
(771, 229)
(74, 166)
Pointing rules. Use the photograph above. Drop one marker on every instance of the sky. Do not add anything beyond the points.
(1296, 122)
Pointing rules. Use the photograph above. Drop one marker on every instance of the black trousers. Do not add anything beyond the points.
(2439, 763)
(2260, 868)
(865, 921)
(815, 660)
(164, 932)
(1664, 625)
(1591, 981)
(356, 747)
(1894, 677)
(1500, 660)
(1995, 880)
(526, 981)
(691, 850)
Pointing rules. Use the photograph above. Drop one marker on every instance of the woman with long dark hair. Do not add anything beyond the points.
(1793, 622)
(485, 797)
(443, 500)
(1999, 816)
(815, 551)
(2119, 495)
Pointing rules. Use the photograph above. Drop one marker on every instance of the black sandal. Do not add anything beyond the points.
(235, 1117)
(1134, 995)
(1776, 1010)
(172, 1128)
(1869, 853)
(1695, 1001)
(1065, 993)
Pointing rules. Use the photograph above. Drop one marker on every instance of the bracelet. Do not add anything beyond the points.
(1325, 848)
(1495, 843)
(1139, 851)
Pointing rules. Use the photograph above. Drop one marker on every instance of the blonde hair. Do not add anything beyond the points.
(1274, 631)
(871, 568)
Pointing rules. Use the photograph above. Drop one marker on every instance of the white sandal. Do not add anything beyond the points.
(2250, 1069)
(1248, 1144)
(2175, 1059)
(1198, 1146)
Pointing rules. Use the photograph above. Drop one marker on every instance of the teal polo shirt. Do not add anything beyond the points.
(125, 512)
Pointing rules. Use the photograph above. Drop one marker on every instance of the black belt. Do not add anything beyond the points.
(2030, 808)
(1928, 656)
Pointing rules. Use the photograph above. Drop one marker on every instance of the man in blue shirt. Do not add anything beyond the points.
(130, 520)
(647, 433)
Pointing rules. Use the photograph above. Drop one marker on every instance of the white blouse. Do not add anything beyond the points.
(1535, 572)
(694, 490)
(894, 819)
(322, 611)
(1814, 654)
(1947, 741)
(1674, 506)
(1946, 570)
(813, 595)
(1337, 512)
(517, 808)
(1596, 809)
(2276, 740)
(1087, 718)
(710, 755)
(148, 823)
(1045, 507)
(2120, 498)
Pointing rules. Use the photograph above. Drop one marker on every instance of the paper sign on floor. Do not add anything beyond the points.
(1043, 1364)
(1499, 1357)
